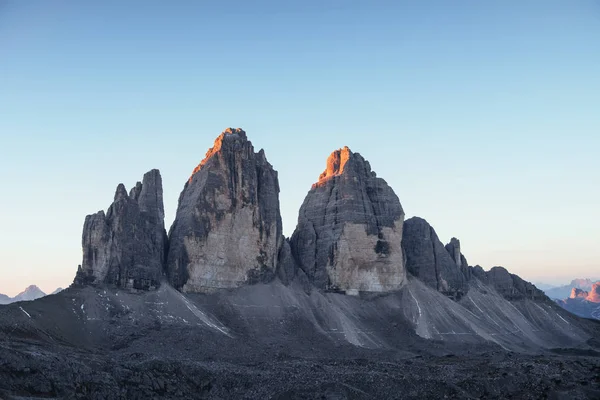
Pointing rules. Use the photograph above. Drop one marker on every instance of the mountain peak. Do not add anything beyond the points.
(336, 162)
(31, 292)
(229, 135)
(343, 161)
(227, 230)
(349, 231)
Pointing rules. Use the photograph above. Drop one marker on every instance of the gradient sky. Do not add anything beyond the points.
(484, 116)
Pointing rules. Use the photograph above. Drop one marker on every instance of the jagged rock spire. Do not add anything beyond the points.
(126, 246)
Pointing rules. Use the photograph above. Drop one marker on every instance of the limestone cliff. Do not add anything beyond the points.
(126, 247)
(227, 230)
(349, 231)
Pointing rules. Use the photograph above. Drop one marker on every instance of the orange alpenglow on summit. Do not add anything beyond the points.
(335, 165)
(217, 147)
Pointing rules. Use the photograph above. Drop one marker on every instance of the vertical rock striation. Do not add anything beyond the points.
(427, 259)
(228, 228)
(349, 229)
(126, 247)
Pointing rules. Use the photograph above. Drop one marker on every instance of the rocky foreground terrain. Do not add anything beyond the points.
(357, 304)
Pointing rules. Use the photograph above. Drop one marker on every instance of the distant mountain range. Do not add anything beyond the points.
(581, 297)
(564, 291)
(32, 292)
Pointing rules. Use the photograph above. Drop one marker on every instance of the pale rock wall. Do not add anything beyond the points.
(360, 269)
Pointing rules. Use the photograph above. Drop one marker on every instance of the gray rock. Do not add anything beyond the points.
(126, 247)
(286, 266)
(227, 231)
(479, 273)
(427, 259)
(454, 249)
(510, 286)
(349, 229)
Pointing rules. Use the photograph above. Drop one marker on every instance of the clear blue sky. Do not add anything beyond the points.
(484, 116)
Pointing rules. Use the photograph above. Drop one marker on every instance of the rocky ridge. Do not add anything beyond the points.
(351, 235)
(510, 286)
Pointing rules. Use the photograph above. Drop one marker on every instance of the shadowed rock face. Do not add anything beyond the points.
(437, 266)
(286, 266)
(461, 262)
(228, 229)
(126, 246)
(349, 229)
